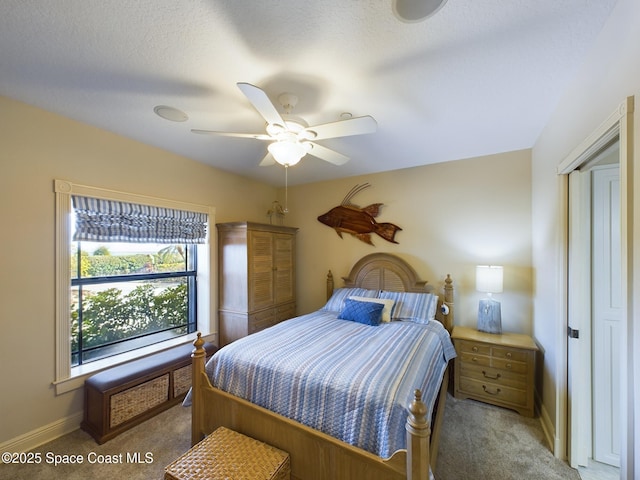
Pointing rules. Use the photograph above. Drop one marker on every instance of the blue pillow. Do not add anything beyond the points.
(368, 313)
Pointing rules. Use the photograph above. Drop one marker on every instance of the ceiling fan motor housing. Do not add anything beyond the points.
(288, 101)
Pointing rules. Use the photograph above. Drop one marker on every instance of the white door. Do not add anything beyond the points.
(594, 313)
(579, 320)
(606, 313)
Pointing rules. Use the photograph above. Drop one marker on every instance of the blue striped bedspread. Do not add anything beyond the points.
(351, 381)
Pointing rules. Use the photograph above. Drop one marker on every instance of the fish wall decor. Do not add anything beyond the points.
(359, 222)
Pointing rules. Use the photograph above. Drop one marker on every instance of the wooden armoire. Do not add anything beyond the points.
(256, 283)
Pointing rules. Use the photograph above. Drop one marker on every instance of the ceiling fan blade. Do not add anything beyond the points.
(268, 160)
(257, 136)
(326, 154)
(261, 103)
(343, 128)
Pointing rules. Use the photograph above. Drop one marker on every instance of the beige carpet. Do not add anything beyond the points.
(165, 436)
(478, 442)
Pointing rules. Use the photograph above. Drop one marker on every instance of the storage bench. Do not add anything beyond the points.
(229, 455)
(118, 398)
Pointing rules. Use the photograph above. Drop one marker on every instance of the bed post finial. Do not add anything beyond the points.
(418, 432)
(198, 343)
(329, 284)
(418, 409)
(448, 288)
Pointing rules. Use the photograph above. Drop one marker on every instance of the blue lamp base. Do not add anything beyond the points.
(489, 317)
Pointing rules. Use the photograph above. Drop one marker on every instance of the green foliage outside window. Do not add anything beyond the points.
(136, 308)
(103, 264)
(110, 315)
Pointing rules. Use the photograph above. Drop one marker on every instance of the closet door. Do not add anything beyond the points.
(261, 270)
(284, 268)
(607, 314)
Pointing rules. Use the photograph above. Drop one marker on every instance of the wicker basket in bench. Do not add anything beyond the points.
(229, 455)
(120, 397)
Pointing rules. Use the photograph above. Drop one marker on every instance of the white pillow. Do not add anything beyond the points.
(387, 302)
(416, 307)
(336, 302)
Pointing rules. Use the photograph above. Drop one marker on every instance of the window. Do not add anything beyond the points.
(128, 295)
(132, 277)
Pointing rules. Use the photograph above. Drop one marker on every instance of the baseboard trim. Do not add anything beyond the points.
(35, 438)
(548, 428)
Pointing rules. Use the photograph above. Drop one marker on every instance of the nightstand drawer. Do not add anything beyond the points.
(474, 348)
(495, 368)
(510, 366)
(493, 392)
(475, 359)
(507, 365)
(509, 354)
(493, 375)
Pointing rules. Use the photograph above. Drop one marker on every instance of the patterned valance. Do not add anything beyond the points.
(99, 220)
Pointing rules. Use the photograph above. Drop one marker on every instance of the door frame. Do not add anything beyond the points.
(620, 124)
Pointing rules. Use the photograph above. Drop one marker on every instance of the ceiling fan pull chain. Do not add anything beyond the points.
(286, 189)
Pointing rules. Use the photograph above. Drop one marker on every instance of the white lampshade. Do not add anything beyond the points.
(489, 278)
(286, 152)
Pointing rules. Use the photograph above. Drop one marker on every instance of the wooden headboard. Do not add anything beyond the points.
(384, 271)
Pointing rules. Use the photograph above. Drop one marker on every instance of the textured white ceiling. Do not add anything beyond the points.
(479, 77)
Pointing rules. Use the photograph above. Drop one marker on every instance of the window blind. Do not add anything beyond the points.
(100, 220)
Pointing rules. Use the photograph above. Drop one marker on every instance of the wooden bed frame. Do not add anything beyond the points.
(315, 455)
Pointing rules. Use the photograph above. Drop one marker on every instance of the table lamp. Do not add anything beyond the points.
(489, 281)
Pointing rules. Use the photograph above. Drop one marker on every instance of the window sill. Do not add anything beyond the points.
(80, 373)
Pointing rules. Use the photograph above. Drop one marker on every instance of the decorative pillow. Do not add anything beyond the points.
(336, 302)
(417, 307)
(368, 313)
(387, 302)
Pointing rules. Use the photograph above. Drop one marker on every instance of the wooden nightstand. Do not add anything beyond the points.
(496, 369)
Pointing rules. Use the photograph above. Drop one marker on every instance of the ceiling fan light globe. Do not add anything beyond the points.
(287, 153)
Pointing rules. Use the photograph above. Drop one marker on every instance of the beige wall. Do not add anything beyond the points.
(453, 216)
(440, 207)
(610, 74)
(36, 148)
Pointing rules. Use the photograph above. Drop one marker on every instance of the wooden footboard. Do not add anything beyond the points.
(314, 455)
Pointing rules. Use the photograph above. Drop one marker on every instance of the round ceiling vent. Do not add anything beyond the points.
(170, 113)
(411, 11)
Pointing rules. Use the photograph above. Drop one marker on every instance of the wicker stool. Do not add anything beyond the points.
(229, 455)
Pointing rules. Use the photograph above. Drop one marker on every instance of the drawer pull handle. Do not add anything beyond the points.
(475, 349)
(474, 359)
(486, 390)
(496, 377)
(509, 355)
(508, 365)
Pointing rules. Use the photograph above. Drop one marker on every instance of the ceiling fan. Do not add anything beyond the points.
(291, 137)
